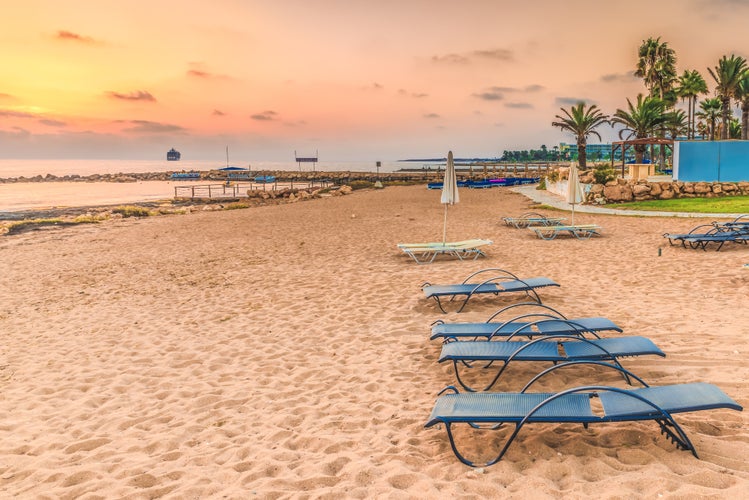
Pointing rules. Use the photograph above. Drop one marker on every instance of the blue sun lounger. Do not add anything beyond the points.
(491, 410)
(550, 348)
(547, 321)
(501, 281)
(701, 236)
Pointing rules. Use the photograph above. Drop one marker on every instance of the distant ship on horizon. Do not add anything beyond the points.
(173, 155)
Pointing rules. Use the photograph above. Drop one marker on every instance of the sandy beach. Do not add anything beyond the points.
(283, 352)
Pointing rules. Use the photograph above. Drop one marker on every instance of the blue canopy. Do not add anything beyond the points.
(232, 169)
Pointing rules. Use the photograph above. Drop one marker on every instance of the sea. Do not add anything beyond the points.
(28, 196)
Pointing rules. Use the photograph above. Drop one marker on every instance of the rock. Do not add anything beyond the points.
(702, 188)
(667, 194)
(617, 193)
(346, 189)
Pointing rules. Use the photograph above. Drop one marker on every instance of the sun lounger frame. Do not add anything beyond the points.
(545, 323)
(579, 231)
(519, 349)
(532, 219)
(491, 285)
(573, 406)
(426, 253)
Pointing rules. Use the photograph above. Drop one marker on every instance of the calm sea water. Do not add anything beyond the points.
(15, 197)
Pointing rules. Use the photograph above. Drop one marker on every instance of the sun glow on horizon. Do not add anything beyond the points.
(341, 74)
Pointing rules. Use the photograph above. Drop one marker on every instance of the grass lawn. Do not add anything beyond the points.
(726, 205)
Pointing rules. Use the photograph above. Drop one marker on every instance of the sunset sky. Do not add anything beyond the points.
(352, 79)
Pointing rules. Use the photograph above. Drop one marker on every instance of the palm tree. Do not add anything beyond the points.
(657, 66)
(727, 75)
(710, 112)
(691, 85)
(641, 121)
(582, 122)
(734, 128)
(743, 96)
(676, 123)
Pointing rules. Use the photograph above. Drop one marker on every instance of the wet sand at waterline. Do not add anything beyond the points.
(283, 351)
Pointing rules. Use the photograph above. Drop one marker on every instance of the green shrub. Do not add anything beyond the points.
(131, 211)
(604, 173)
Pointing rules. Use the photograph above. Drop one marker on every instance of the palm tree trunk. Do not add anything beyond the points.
(745, 119)
(726, 109)
(582, 154)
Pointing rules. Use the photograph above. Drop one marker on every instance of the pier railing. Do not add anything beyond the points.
(240, 189)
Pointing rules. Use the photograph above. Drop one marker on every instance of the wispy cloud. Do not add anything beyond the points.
(489, 96)
(571, 101)
(431, 116)
(519, 105)
(465, 58)
(218, 112)
(7, 113)
(265, 116)
(450, 59)
(52, 123)
(6, 97)
(198, 71)
(415, 95)
(627, 77)
(138, 95)
(65, 35)
(496, 54)
(149, 127)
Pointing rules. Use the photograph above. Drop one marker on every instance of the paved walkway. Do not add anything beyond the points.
(546, 198)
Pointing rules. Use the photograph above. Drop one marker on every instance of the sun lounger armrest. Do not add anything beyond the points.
(605, 364)
(508, 273)
(523, 304)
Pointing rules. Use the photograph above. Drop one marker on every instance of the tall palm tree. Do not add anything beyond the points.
(691, 85)
(582, 122)
(640, 121)
(727, 75)
(710, 111)
(743, 96)
(656, 64)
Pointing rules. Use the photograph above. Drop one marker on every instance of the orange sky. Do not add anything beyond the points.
(354, 80)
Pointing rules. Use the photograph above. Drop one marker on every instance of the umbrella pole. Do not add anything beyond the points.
(444, 227)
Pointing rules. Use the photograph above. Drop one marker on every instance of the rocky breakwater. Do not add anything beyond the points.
(119, 177)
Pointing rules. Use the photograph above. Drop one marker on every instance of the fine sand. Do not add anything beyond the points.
(283, 352)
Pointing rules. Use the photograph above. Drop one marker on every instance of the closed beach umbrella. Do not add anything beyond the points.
(449, 190)
(574, 190)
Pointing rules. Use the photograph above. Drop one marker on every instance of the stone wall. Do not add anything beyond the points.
(623, 190)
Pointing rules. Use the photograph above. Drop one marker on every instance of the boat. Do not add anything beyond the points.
(186, 176)
(173, 155)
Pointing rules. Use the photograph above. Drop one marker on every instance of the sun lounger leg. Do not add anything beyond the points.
(676, 434)
(460, 457)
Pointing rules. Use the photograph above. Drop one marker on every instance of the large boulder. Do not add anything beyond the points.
(618, 193)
